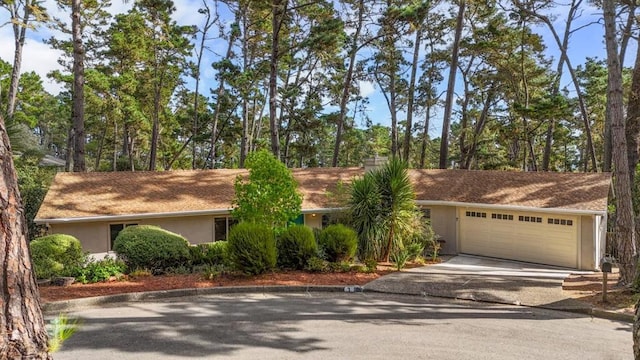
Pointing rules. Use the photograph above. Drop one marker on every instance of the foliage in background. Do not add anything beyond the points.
(150, 247)
(270, 194)
(56, 255)
(338, 242)
(252, 248)
(296, 245)
(33, 182)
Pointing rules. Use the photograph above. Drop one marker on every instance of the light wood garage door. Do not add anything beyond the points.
(539, 238)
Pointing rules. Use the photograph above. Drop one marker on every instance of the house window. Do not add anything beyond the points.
(221, 227)
(502, 216)
(477, 214)
(564, 222)
(426, 213)
(114, 230)
(533, 219)
(325, 220)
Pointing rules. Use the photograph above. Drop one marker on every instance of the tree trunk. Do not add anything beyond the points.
(19, 35)
(78, 88)
(632, 127)
(24, 335)
(346, 85)
(425, 136)
(279, 8)
(624, 227)
(448, 106)
(408, 135)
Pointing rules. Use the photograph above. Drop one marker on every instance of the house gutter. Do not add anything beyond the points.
(513, 208)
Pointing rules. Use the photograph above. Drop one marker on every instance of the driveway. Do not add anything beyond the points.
(484, 279)
(339, 326)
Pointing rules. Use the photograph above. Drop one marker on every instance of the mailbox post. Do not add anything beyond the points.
(606, 267)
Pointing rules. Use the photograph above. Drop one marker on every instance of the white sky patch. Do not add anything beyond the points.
(366, 88)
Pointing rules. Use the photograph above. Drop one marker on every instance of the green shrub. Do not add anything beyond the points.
(216, 253)
(150, 247)
(415, 250)
(252, 248)
(101, 270)
(56, 255)
(338, 242)
(340, 267)
(316, 264)
(400, 258)
(296, 245)
(212, 253)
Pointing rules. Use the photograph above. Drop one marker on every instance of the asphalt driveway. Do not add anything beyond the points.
(484, 279)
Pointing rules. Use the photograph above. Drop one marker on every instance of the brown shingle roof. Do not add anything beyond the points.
(545, 190)
(82, 195)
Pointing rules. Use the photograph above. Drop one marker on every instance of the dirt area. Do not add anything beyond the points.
(588, 288)
(168, 282)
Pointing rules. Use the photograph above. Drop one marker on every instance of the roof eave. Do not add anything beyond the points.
(127, 217)
(513, 207)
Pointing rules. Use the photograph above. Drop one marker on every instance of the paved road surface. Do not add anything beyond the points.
(340, 326)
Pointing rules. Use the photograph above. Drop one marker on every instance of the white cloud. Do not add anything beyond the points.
(366, 88)
(37, 56)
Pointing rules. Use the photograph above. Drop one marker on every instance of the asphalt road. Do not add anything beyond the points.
(340, 326)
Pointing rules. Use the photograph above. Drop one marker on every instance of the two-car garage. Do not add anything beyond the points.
(543, 238)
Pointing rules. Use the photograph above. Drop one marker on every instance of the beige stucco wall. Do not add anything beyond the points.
(443, 222)
(587, 243)
(314, 222)
(93, 236)
(196, 229)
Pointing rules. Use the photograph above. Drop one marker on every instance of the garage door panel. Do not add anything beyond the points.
(532, 237)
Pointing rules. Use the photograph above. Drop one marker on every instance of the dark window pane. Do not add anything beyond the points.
(468, 213)
(549, 221)
(114, 230)
(570, 222)
(220, 229)
(510, 217)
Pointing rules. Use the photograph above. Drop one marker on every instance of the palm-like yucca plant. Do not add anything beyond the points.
(364, 207)
(383, 210)
(398, 204)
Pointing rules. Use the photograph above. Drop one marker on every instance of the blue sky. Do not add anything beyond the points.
(38, 57)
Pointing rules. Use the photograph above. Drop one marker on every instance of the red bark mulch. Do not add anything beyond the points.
(168, 282)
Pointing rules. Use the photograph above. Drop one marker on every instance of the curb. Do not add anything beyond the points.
(69, 305)
(593, 312)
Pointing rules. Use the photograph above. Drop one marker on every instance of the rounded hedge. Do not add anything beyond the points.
(296, 245)
(56, 255)
(338, 242)
(150, 247)
(252, 248)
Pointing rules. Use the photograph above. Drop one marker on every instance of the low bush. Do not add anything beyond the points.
(317, 265)
(56, 255)
(296, 245)
(252, 248)
(101, 270)
(338, 242)
(150, 247)
(212, 253)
